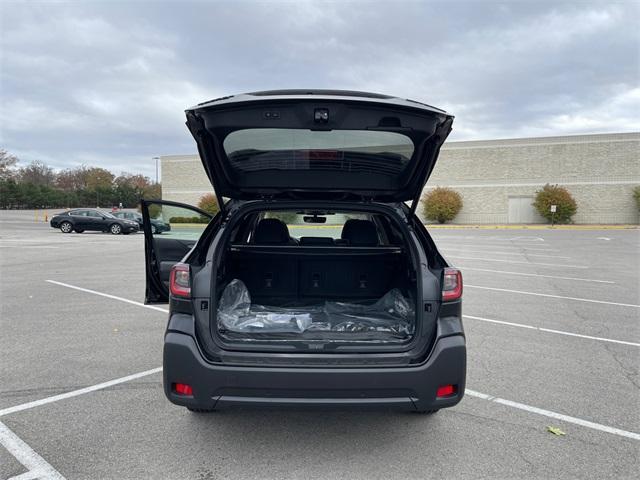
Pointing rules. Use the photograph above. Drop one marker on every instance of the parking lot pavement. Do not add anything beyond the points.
(81, 393)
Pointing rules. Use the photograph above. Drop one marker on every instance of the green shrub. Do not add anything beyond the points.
(636, 195)
(209, 203)
(441, 204)
(197, 219)
(155, 210)
(554, 195)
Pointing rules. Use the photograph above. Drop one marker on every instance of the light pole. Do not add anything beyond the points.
(156, 159)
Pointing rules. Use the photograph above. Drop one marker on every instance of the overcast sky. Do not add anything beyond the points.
(106, 83)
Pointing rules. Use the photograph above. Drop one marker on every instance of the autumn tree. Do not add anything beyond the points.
(209, 203)
(131, 188)
(72, 179)
(99, 178)
(38, 186)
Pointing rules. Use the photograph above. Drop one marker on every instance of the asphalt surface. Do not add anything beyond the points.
(57, 339)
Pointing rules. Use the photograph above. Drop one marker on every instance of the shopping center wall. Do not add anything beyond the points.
(184, 179)
(600, 171)
(498, 178)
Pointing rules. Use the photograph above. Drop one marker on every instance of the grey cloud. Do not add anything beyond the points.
(107, 83)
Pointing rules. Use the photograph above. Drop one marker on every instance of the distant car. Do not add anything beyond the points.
(81, 219)
(157, 225)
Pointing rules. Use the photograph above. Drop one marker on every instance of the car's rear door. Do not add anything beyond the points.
(96, 221)
(162, 252)
(80, 219)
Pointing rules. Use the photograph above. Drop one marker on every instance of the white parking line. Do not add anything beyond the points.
(491, 245)
(502, 253)
(113, 297)
(28, 246)
(509, 403)
(589, 300)
(506, 272)
(556, 265)
(550, 330)
(557, 416)
(519, 241)
(75, 393)
(530, 327)
(473, 393)
(37, 466)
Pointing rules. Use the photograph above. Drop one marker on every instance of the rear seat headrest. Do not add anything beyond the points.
(360, 233)
(271, 231)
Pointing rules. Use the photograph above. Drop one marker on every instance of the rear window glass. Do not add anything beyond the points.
(315, 228)
(296, 149)
(332, 225)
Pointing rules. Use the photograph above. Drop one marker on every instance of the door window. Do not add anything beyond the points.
(176, 222)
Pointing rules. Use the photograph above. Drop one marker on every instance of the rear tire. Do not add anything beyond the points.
(66, 227)
(115, 229)
(201, 410)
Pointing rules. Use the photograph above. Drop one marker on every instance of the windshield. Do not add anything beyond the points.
(258, 149)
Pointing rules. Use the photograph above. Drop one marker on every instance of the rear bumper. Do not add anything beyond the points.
(408, 388)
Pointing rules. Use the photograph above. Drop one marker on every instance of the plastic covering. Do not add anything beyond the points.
(392, 313)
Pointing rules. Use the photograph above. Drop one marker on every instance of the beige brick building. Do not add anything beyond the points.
(498, 178)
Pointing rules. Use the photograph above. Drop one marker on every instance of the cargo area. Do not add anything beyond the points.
(359, 287)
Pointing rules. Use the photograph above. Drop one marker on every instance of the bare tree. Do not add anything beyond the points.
(7, 162)
(37, 173)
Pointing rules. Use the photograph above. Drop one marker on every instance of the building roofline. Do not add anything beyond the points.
(524, 141)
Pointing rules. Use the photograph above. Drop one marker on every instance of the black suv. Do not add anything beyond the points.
(316, 284)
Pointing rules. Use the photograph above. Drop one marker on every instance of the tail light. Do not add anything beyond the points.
(446, 391)
(182, 389)
(452, 284)
(179, 282)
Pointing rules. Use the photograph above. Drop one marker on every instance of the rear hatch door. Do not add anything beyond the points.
(318, 145)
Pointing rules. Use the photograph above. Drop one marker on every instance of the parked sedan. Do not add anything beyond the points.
(157, 225)
(82, 219)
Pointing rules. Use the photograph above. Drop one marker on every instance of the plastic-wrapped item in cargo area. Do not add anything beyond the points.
(392, 313)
